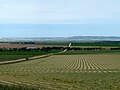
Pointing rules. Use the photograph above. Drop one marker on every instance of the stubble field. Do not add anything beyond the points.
(71, 72)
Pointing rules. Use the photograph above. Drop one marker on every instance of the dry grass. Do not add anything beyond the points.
(74, 72)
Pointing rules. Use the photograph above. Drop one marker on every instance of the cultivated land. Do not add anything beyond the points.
(66, 72)
(14, 55)
(19, 45)
(90, 52)
(12, 51)
(95, 69)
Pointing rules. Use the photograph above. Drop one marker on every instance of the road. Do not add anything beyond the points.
(32, 58)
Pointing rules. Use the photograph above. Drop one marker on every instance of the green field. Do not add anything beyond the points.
(83, 43)
(17, 87)
(13, 55)
(70, 52)
(66, 72)
(97, 43)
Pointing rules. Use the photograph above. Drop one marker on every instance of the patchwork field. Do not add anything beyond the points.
(66, 72)
(26, 45)
(19, 45)
(90, 52)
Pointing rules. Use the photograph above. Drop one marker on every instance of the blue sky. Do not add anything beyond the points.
(48, 18)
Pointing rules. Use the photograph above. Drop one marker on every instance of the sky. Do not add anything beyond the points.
(59, 18)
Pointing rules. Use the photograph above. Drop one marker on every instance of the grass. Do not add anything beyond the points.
(86, 81)
(74, 81)
(83, 43)
(91, 52)
(67, 72)
(16, 87)
(13, 55)
(100, 44)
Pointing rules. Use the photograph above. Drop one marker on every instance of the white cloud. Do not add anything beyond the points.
(47, 11)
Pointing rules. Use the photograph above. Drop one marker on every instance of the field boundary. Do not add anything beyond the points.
(33, 58)
(25, 59)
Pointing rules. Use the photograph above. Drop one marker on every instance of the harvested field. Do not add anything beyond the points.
(66, 72)
(71, 63)
(25, 45)
(19, 45)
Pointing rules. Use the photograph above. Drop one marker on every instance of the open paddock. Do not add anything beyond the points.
(73, 72)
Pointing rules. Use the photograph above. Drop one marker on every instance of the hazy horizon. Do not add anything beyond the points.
(55, 36)
(61, 18)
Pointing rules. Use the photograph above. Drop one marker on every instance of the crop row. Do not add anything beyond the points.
(67, 63)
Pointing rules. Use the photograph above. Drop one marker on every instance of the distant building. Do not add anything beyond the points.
(31, 48)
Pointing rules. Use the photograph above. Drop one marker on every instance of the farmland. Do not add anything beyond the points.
(18, 45)
(76, 68)
(29, 45)
(14, 55)
(72, 72)
(17, 51)
(91, 52)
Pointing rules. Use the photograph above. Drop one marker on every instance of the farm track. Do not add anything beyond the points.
(31, 58)
(24, 59)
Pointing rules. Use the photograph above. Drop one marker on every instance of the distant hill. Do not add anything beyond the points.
(94, 38)
(74, 38)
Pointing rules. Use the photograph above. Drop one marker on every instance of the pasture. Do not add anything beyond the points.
(14, 55)
(71, 72)
(78, 52)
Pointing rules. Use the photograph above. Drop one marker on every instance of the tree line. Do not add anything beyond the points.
(55, 48)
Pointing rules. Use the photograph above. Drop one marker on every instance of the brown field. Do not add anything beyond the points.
(24, 45)
(19, 45)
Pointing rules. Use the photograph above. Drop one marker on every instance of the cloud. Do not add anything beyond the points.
(59, 11)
